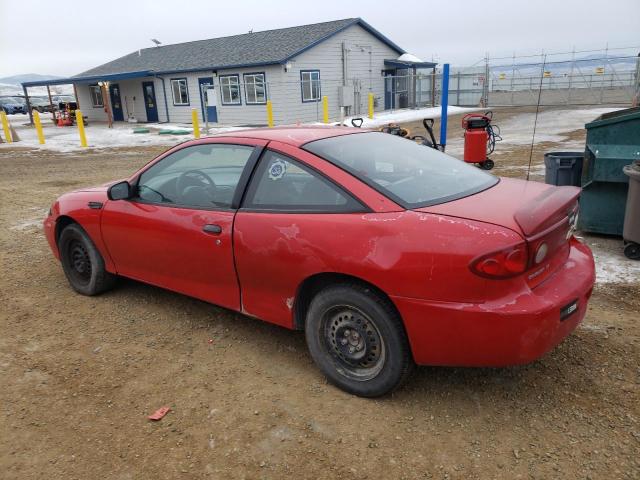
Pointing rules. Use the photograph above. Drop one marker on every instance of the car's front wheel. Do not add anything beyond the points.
(358, 341)
(82, 263)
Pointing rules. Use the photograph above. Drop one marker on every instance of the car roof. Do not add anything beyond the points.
(293, 135)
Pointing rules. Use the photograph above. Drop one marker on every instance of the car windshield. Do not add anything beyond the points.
(410, 174)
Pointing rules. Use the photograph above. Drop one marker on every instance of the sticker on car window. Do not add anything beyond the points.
(277, 170)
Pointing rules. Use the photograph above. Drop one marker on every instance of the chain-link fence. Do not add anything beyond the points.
(593, 80)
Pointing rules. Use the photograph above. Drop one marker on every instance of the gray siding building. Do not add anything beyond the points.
(229, 80)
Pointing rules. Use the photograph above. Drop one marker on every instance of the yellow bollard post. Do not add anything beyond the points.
(5, 126)
(325, 109)
(36, 120)
(371, 106)
(269, 113)
(80, 122)
(196, 125)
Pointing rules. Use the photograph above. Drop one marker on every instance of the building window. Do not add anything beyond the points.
(255, 89)
(310, 81)
(230, 89)
(96, 96)
(180, 91)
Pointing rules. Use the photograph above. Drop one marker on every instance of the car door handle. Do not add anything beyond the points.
(214, 229)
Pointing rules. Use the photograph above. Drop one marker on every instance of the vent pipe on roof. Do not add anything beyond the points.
(139, 52)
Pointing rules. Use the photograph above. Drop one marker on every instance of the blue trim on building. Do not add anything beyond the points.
(402, 64)
(89, 79)
(222, 103)
(186, 81)
(319, 84)
(266, 93)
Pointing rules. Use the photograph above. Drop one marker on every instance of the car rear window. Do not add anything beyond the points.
(410, 174)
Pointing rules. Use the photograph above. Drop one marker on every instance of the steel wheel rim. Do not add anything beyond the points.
(354, 342)
(79, 262)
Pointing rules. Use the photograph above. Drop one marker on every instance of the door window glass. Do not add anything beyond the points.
(201, 176)
(281, 183)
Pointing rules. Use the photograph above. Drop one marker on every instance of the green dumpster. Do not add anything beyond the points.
(613, 141)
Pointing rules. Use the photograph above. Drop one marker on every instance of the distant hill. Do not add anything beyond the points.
(27, 77)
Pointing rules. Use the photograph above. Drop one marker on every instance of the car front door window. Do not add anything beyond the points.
(201, 176)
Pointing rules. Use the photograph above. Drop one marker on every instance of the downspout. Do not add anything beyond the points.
(164, 92)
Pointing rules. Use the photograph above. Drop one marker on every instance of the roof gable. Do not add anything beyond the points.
(249, 49)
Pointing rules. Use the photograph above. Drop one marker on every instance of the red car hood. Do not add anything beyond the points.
(99, 188)
(525, 207)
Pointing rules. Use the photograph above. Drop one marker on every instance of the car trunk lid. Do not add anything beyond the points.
(542, 214)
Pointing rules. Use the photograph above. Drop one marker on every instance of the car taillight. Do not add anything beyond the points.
(505, 263)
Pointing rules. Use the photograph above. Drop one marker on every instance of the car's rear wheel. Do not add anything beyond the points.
(357, 339)
(82, 263)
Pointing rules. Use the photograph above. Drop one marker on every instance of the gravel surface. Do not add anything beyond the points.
(80, 375)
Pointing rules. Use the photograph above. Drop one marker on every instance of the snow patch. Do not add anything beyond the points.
(407, 115)
(408, 57)
(614, 267)
(552, 124)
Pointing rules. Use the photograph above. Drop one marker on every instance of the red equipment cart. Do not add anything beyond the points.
(480, 138)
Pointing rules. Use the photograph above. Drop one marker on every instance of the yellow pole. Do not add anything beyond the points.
(80, 122)
(5, 126)
(325, 109)
(269, 113)
(36, 120)
(371, 106)
(194, 120)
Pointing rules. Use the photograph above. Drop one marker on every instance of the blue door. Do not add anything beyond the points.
(116, 102)
(208, 99)
(150, 105)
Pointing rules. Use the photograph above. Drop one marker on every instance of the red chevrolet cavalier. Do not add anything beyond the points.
(387, 253)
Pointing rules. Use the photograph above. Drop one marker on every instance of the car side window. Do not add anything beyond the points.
(200, 176)
(281, 183)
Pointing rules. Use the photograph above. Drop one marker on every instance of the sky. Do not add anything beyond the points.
(35, 38)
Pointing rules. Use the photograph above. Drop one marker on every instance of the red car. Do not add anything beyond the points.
(387, 253)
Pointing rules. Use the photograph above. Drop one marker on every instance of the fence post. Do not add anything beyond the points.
(80, 122)
(325, 109)
(5, 126)
(371, 105)
(194, 121)
(269, 113)
(36, 120)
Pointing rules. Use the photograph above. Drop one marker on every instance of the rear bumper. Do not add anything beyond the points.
(520, 328)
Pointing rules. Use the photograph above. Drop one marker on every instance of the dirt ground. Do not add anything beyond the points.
(79, 376)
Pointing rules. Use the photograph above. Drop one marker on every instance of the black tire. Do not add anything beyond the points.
(82, 263)
(487, 164)
(632, 251)
(358, 341)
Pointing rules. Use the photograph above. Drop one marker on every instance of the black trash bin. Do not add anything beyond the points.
(563, 168)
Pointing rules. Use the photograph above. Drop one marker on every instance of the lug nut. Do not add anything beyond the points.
(343, 341)
(351, 350)
(347, 333)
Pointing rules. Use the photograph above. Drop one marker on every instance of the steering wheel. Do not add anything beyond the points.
(185, 181)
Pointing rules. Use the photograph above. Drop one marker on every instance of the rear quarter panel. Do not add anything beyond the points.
(407, 254)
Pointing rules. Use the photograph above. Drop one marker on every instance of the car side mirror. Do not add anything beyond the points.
(119, 191)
